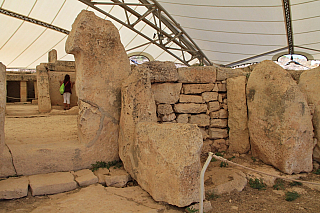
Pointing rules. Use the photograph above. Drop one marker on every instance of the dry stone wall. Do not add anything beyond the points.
(196, 97)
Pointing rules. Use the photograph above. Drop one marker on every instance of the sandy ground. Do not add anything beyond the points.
(25, 125)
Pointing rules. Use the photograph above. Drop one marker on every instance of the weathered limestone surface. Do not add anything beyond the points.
(200, 119)
(213, 106)
(161, 71)
(6, 166)
(197, 88)
(166, 93)
(219, 123)
(118, 181)
(44, 101)
(200, 74)
(222, 113)
(225, 73)
(85, 177)
(238, 117)
(137, 105)
(101, 65)
(52, 183)
(3, 94)
(310, 85)
(13, 188)
(210, 96)
(190, 108)
(190, 99)
(216, 133)
(280, 126)
(164, 109)
(167, 161)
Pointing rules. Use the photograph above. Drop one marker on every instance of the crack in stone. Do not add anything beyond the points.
(103, 115)
(15, 170)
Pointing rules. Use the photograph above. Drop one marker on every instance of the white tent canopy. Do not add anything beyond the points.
(220, 32)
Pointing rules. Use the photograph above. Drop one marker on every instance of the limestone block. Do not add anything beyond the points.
(190, 108)
(52, 56)
(222, 113)
(210, 96)
(44, 101)
(166, 93)
(200, 74)
(162, 71)
(213, 106)
(222, 97)
(225, 73)
(238, 116)
(118, 181)
(219, 123)
(216, 133)
(219, 145)
(52, 183)
(183, 118)
(13, 188)
(222, 87)
(164, 109)
(3, 94)
(280, 122)
(197, 88)
(85, 177)
(169, 117)
(310, 85)
(190, 99)
(102, 65)
(168, 155)
(202, 120)
(137, 105)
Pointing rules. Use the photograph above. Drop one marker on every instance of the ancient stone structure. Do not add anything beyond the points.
(310, 85)
(166, 161)
(280, 126)
(44, 102)
(102, 65)
(238, 118)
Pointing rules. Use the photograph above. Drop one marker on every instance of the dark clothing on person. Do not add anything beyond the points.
(67, 86)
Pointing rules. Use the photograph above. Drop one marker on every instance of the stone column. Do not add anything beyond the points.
(23, 91)
(52, 56)
(44, 102)
(3, 94)
(101, 66)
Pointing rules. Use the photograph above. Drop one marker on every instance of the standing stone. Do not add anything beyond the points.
(238, 118)
(280, 126)
(44, 101)
(166, 93)
(137, 105)
(201, 74)
(167, 161)
(310, 85)
(3, 94)
(101, 66)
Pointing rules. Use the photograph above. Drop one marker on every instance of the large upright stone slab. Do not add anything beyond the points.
(3, 94)
(137, 105)
(167, 161)
(238, 118)
(101, 66)
(310, 85)
(44, 101)
(280, 126)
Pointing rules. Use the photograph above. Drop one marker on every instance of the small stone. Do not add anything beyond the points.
(118, 181)
(183, 118)
(213, 106)
(164, 109)
(170, 117)
(85, 177)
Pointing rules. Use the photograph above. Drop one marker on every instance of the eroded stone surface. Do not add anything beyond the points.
(85, 177)
(13, 188)
(102, 65)
(310, 85)
(225, 73)
(117, 181)
(44, 101)
(280, 126)
(166, 93)
(52, 183)
(166, 161)
(200, 74)
(238, 116)
(162, 71)
(190, 108)
(197, 88)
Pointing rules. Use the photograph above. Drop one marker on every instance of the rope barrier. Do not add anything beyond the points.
(276, 176)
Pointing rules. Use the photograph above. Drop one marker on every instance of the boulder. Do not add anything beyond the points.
(200, 74)
(310, 85)
(101, 66)
(238, 116)
(166, 93)
(161, 71)
(44, 100)
(280, 126)
(166, 161)
(183, 118)
(137, 105)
